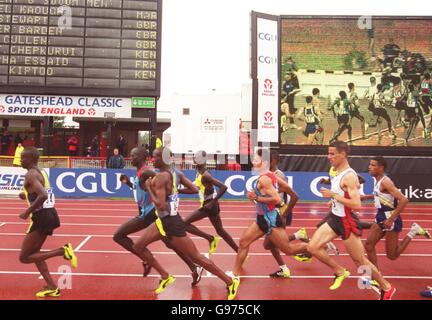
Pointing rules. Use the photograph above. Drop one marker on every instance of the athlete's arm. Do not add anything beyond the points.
(266, 188)
(190, 188)
(36, 187)
(350, 183)
(208, 179)
(388, 186)
(325, 181)
(284, 187)
(125, 180)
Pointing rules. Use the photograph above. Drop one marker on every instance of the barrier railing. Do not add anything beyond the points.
(98, 163)
(44, 162)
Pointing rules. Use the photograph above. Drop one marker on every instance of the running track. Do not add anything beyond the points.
(106, 271)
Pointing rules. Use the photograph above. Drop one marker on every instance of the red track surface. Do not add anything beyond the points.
(106, 271)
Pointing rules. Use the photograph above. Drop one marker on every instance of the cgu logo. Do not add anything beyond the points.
(88, 182)
(242, 185)
(267, 36)
(267, 59)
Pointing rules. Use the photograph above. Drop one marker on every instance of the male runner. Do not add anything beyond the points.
(268, 221)
(170, 225)
(289, 200)
(209, 205)
(345, 198)
(146, 215)
(389, 202)
(44, 220)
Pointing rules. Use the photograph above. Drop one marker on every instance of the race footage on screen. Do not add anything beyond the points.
(363, 80)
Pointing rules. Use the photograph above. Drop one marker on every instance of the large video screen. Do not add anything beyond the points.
(81, 47)
(362, 80)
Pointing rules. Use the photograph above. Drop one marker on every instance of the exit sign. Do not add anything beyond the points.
(140, 102)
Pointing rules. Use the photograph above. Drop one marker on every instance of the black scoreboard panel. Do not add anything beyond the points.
(80, 47)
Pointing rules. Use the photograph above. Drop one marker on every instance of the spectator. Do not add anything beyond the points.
(290, 87)
(159, 143)
(4, 143)
(121, 145)
(94, 147)
(18, 140)
(17, 158)
(390, 51)
(116, 161)
(73, 146)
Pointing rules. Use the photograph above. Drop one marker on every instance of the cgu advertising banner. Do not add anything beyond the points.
(58, 106)
(106, 184)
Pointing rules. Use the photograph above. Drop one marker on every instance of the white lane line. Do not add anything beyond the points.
(2, 224)
(423, 255)
(193, 238)
(188, 276)
(82, 243)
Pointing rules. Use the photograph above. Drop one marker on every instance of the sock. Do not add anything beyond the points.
(412, 233)
(297, 235)
(284, 268)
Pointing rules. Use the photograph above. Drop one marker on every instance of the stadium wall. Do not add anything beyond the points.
(104, 183)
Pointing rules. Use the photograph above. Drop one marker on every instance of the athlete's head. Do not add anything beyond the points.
(315, 92)
(309, 99)
(145, 175)
(274, 159)
(350, 86)
(261, 160)
(29, 157)
(372, 80)
(200, 158)
(161, 157)
(138, 155)
(338, 152)
(427, 76)
(377, 166)
(342, 94)
(379, 87)
(411, 87)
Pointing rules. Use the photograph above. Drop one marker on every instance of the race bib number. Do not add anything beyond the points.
(50, 202)
(174, 202)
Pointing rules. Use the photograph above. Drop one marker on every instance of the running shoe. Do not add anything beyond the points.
(303, 257)
(281, 274)
(46, 292)
(387, 295)
(420, 231)
(164, 284)
(427, 293)
(233, 288)
(339, 279)
(214, 244)
(303, 236)
(70, 255)
(196, 276)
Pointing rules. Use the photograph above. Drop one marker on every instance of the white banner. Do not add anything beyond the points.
(267, 111)
(58, 106)
(11, 180)
(268, 83)
(267, 48)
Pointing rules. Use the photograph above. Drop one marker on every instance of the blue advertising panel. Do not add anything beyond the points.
(106, 183)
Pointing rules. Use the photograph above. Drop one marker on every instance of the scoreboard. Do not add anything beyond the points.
(80, 47)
